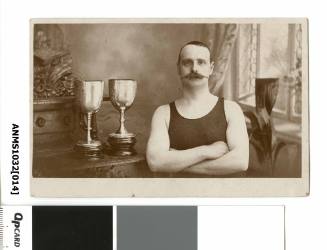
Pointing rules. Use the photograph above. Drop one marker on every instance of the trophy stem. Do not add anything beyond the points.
(94, 127)
(122, 130)
(89, 128)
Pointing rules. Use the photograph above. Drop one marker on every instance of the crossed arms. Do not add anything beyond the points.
(218, 158)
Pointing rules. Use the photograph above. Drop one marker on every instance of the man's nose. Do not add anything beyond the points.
(195, 67)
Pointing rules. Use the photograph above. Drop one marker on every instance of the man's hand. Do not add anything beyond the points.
(215, 150)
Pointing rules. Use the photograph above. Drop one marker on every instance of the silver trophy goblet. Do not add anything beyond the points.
(122, 93)
(90, 95)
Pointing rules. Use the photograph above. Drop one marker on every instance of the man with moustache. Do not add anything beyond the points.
(199, 133)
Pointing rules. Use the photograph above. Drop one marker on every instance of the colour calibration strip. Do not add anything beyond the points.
(142, 227)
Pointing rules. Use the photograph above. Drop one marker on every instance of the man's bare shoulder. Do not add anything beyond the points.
(162, 110)
(232, 110)
(162, 113)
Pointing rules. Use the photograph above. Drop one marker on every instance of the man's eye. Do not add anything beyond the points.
(187, 63)
(201, 62)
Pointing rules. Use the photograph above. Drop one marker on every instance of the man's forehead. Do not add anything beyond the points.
(195, 51)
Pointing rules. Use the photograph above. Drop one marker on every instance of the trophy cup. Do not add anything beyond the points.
(122, 93)
(90, 98)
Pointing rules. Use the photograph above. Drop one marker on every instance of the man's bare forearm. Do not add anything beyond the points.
(230, 163)
(176, 160)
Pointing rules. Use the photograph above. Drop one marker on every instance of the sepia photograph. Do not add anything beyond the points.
(180, 104)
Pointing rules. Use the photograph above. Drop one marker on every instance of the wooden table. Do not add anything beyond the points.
(65, 162)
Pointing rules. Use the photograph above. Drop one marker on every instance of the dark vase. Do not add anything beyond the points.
(260, 133)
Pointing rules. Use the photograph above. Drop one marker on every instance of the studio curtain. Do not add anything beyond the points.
(220, 39)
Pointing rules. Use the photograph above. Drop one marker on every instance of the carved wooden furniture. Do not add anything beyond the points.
(53, 87)
(64, 162)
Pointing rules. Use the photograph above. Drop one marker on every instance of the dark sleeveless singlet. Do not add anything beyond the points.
(187, 133)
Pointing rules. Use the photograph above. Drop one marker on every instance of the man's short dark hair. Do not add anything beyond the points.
(197, 43)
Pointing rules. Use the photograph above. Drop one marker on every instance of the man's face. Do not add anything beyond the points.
(194, 66)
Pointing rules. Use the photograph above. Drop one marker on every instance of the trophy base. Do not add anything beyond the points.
(92, 151)
(121, 145)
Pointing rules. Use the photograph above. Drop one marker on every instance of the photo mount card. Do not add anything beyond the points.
(70, 55)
